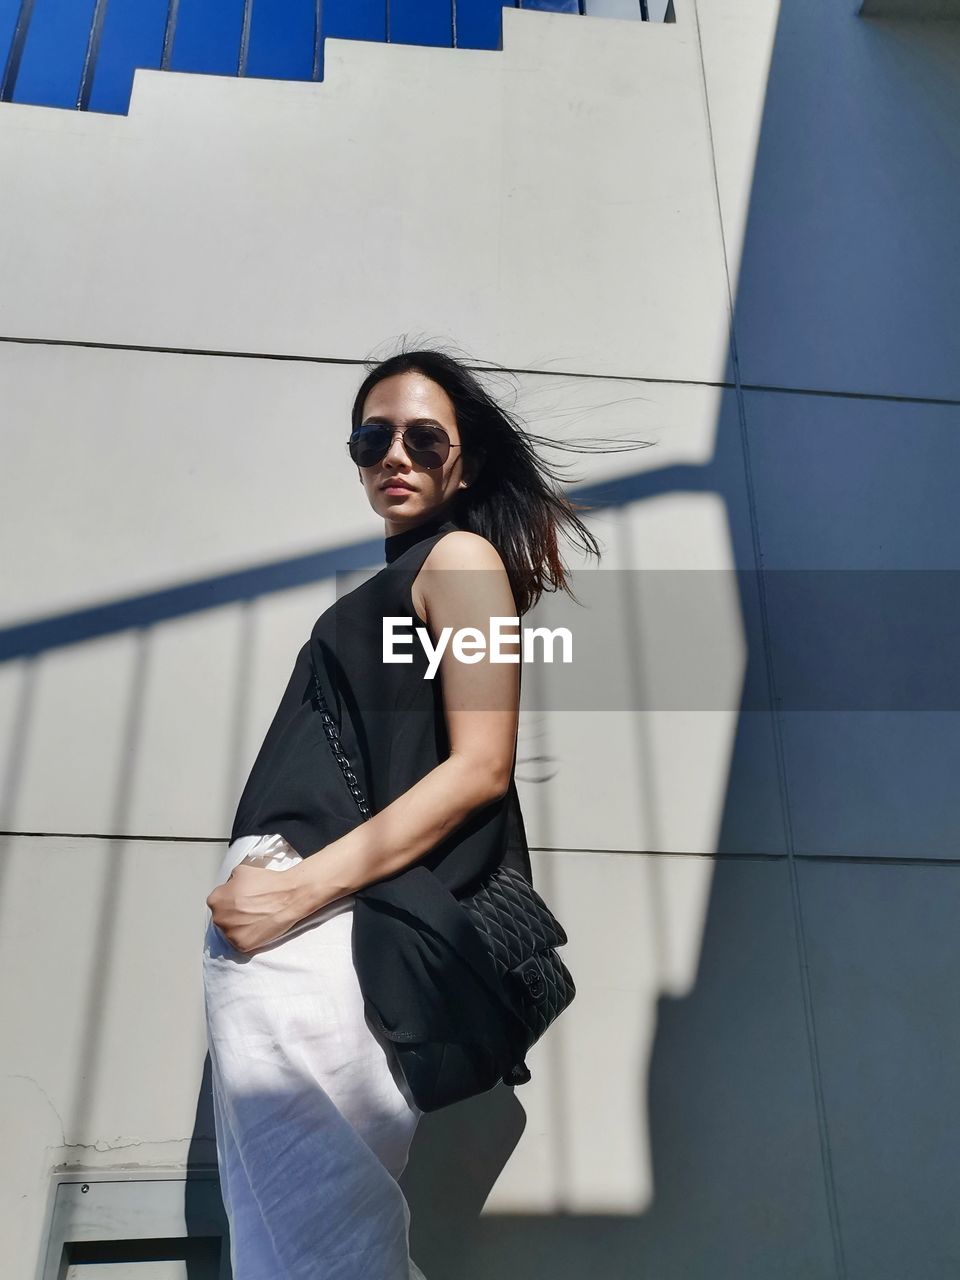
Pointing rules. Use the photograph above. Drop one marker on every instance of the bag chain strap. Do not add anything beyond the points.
(330, 729)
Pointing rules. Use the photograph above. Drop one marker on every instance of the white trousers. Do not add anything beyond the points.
(313, 1118)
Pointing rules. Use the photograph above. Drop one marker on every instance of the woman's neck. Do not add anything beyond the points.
(395, 544)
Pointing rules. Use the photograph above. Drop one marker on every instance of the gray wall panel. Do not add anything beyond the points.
(884, 956)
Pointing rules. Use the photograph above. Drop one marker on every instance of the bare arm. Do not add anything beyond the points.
(481, 707)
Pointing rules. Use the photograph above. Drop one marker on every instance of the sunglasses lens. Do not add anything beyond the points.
(369, 444)
(427, 446)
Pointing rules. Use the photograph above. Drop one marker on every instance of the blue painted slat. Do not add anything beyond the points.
(208, 36)
(353, 20)
(9, 9)
(281, 39)
(479, 24)
(54, 52)
(551, 6)
(421, 22)
(132, 37)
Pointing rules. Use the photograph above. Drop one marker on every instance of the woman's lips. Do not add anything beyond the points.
(397, 488)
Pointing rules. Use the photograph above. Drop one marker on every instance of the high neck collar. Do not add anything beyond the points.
(397, 543)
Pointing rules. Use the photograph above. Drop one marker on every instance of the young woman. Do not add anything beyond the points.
(313, 1117)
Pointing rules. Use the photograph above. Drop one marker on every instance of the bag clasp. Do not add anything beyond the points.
(532, 977)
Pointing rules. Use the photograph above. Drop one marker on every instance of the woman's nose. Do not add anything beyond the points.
(396, 452)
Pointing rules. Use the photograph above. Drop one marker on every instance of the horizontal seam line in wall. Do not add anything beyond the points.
(627, 853)
(893, 859)
(335, 360)
(622, 853)
(848, 395)
(101, 835)
(545, 373)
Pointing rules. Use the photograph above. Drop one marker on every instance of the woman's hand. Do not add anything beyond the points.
(254, 906)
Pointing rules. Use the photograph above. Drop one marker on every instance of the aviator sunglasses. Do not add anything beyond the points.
(426, 445)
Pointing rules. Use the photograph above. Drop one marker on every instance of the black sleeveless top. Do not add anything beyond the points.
(391, 725)
(423, 973)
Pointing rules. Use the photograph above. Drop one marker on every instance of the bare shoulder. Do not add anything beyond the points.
(459, 549)
(462, 549)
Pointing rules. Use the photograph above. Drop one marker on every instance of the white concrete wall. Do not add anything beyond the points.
(731, 236)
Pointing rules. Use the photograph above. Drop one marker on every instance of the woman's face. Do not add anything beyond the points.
(400, 401)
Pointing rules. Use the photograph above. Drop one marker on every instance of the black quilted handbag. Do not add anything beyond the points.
(520, 932)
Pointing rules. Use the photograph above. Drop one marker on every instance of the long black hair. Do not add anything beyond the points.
(515, 500)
